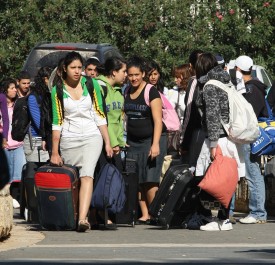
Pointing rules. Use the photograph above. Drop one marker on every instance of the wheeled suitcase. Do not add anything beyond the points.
(28, 200)
(173, 200)
(57, 191)
(129, 213)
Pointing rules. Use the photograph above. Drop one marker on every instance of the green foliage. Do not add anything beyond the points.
(164, 30)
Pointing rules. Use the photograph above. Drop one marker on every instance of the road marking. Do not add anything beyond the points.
(157, 245)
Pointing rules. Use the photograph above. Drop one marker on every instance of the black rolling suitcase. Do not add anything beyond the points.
(173, 200)
(28, 199)
(57, 191)
(129, 213)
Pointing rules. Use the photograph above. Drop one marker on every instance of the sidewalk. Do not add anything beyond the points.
(143, 244)
(21, 236)
(29, 235)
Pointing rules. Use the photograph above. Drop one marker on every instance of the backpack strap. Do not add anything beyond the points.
(146, 93)
(165, 102)
(126, 91)
(90, 86)
(59, 93)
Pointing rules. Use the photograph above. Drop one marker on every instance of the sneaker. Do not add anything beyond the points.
(226, 225)
(26, 214)
(15, 204)
(251, 220)
(195, 221)
(215, 226)
(212, 226)
(232, 219)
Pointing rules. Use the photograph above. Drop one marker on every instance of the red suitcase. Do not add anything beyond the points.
(57, 193)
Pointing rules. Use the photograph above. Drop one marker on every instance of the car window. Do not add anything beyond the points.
(44, 57)
(266, 80)
(253, 73)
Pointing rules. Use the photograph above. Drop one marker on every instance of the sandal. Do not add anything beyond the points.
(83, 225)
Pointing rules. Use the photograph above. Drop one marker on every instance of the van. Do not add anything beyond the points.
(49, 54)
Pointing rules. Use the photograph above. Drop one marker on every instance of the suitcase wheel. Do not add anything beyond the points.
(166, 227)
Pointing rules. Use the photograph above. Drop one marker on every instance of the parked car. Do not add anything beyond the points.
(257, 71)
(48, 54)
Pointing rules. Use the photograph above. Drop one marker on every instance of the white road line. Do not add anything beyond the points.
(157, 245)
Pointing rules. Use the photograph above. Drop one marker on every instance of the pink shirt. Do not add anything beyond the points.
(12, 144)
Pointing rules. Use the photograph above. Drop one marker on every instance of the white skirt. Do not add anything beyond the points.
(228, 148)
(82, 153)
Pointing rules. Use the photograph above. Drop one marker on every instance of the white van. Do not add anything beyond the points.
(257, 71)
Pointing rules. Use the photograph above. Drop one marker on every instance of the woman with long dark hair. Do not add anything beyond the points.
(213, 104)
(79, 128)
(33, 140)
(13, 149)
(146, 134)
(111, 77)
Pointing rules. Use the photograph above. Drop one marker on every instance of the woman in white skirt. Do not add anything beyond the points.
(214, 107)
(79, 124)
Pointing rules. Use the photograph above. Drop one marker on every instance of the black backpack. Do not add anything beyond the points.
(21, 118)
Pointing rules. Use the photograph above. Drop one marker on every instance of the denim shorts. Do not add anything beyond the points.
(16, 160)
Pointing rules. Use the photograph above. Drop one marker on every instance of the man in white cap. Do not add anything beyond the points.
(255, 95)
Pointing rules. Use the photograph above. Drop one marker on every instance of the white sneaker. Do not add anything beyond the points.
(26, 214)
(215, 226)
(251, 220)
(212, 226)
(15, 204)
(226, 225)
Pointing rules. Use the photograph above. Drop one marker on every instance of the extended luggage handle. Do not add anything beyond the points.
(124, 150)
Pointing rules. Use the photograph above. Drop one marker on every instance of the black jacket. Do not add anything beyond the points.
(255, 95)
(271, 98)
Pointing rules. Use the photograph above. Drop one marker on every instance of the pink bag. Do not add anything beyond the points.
(169, 115)
(221, 178)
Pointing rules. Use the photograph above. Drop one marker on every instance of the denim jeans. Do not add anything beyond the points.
(232, 205)
(16, 160)
(256, 186)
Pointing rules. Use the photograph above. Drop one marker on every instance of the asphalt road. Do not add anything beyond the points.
(245, 244)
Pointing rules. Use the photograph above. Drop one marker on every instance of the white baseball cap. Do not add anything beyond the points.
(244, 63)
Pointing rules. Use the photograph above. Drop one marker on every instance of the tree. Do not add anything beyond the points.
(164, 30)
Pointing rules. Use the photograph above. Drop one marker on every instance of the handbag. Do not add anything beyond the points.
(221, 178)
(169, 116)
(173, 141)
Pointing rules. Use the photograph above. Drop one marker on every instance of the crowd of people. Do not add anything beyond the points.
(71, 125)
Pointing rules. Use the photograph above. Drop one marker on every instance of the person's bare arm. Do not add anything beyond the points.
(55, 157)
(104, 132)
(156, 108)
